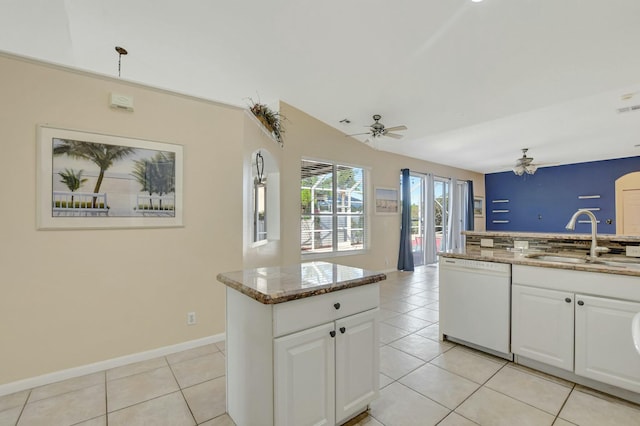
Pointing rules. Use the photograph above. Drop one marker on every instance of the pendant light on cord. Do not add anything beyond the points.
(121, 51)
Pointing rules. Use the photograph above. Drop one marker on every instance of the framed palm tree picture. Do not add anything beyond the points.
(92, 180)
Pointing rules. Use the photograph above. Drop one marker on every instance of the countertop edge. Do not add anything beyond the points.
(552, 235)
(266, 299)
(512, 259)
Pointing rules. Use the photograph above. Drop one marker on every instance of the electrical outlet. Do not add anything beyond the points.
(633, 251)
(191, 318)
(486, 242)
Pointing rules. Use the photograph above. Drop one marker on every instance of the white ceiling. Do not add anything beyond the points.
(473, 82)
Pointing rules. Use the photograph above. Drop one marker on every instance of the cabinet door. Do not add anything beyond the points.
(604, 342)
(542, 325)
(304, 377)
(357, 363)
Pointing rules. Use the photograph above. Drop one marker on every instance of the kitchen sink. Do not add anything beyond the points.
(557, 258)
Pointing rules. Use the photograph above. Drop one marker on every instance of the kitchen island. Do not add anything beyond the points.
(302, 343)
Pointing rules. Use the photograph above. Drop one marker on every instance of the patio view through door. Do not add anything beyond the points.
(441, 191)
(420, 216)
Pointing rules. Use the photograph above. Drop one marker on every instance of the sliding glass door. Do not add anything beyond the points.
(436, 217)
(441, 211)
(417, 218)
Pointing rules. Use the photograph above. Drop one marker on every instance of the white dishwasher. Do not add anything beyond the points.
(475, 304)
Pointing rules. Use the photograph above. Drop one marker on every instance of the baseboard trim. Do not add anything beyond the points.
(56, 376)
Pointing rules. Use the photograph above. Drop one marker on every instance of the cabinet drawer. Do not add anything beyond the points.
(289, 317)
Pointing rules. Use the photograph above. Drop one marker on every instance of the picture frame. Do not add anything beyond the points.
(478, 206)
(88, 180)
(387, 201)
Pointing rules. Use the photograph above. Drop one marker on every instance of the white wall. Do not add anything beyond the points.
(70, 298)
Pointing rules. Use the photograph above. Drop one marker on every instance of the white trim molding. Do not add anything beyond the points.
(56, 376)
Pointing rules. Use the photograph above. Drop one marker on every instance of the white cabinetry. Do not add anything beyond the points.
(357, 363)
(312, 361)
(304, 377)
(542, 325)
(604, 348)
(549, 304)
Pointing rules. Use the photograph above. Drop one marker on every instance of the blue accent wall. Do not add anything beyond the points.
(545, 201)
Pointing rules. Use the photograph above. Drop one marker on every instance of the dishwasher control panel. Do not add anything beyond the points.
(475, 264)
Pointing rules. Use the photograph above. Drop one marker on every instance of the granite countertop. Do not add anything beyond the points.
(518, 258)
(553, 236)
(277, 284)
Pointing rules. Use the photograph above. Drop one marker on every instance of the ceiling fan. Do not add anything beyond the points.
(377, 129)
(524, 164)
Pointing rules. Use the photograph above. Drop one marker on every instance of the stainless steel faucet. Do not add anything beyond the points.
(595, 250)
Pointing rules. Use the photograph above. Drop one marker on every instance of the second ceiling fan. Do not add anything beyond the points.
(377, 129)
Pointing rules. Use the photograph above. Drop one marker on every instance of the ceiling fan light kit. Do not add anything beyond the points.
(524, 164)
(520, 170)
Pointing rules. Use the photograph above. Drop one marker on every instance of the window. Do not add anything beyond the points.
(332, 201)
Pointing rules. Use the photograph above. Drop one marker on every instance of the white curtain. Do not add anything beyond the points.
(454, 238)
(430, 227)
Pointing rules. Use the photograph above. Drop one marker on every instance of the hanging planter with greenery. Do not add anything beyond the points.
(270, 119)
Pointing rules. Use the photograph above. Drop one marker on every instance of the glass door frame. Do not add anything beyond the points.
(441, 235)
(418, 190)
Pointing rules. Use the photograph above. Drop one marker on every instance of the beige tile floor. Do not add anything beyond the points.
(423, 382)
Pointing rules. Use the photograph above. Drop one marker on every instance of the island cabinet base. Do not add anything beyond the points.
(311, 361)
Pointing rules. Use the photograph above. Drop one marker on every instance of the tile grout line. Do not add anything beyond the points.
(564, 403)
(474, 392)
(458, 375)
(410, 354)
(141, 402)
(420, 366)
(425, 396)
(184, 398)
(526, 403)
(155, 397)
(24, 406)
(106, 400)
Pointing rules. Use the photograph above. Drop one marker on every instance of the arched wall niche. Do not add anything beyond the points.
(628, 204)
